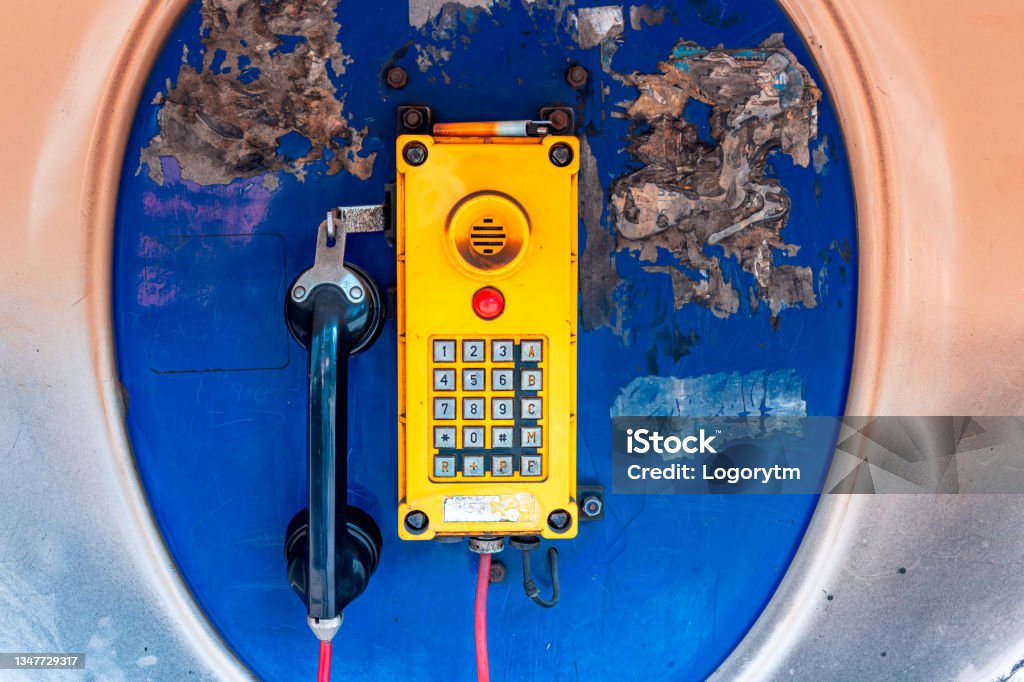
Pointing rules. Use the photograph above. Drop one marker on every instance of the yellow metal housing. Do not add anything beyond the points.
(487, 212)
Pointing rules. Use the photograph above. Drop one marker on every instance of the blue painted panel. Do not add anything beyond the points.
(662, 589)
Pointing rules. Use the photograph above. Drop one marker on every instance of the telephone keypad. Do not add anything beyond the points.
(488, 408)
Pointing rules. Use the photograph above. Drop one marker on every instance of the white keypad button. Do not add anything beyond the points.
(530, 351)
(530, 380)
(501, 465)
(502, 437)
(530, 437)
(444, 351)
(472, 436)
(472, 380)
(444, 379)
(501, 408)
(529, 465)
(472, 408)
(472, 465)
(501, 351)
(444, 466)
(473, 351)
(444, 408)
(502, 379)
(444, 437)
(530, 408)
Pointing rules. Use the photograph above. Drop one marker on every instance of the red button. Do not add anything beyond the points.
(488, 303)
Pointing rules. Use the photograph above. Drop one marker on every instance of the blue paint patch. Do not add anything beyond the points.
(288, 44)
(293, 145)
(208, 328)
(246, 74)
(217, 63)
(699, 114)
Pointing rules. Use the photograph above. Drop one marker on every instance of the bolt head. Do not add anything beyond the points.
(414, 154)
(355, 294)
(299, 292)
(560, 154)
(576, 76)
(397, 78)
(559, 120)
(559, 520)
(412, 119)
(416, 521)
(592, 506)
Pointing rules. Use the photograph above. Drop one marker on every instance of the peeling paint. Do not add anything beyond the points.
(777, 393)
(820, 156)
(645, 14)
(694, 193)
(600, 26)
(595, 25)
(266, 72)
(422, 12)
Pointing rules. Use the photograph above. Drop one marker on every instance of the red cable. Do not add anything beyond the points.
(483, 577)
(323, 673)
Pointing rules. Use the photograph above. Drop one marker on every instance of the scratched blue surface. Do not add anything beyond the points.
(663, 589)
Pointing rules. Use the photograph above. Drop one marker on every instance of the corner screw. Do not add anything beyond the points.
(559, 520)
(559, 120)
(576, 76)
(397, 78)
(415, 154)
(416, 522)
(592, 506)
(498, 571)
(560, 154)
(298, 293)
(412, 119)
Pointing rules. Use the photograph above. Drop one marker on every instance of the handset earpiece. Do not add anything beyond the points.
(335, 310)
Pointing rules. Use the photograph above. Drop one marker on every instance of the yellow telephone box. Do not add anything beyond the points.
(487, 300)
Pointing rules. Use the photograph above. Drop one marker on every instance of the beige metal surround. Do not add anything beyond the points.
(928, 94)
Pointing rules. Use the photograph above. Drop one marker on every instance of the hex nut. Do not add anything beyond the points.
(397, 78)
(577, 76)
(415, 154)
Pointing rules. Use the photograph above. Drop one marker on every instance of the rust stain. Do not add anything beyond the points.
(265, 73)
(691, 194)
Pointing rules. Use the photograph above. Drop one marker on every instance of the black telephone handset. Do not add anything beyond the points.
(335, 310)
